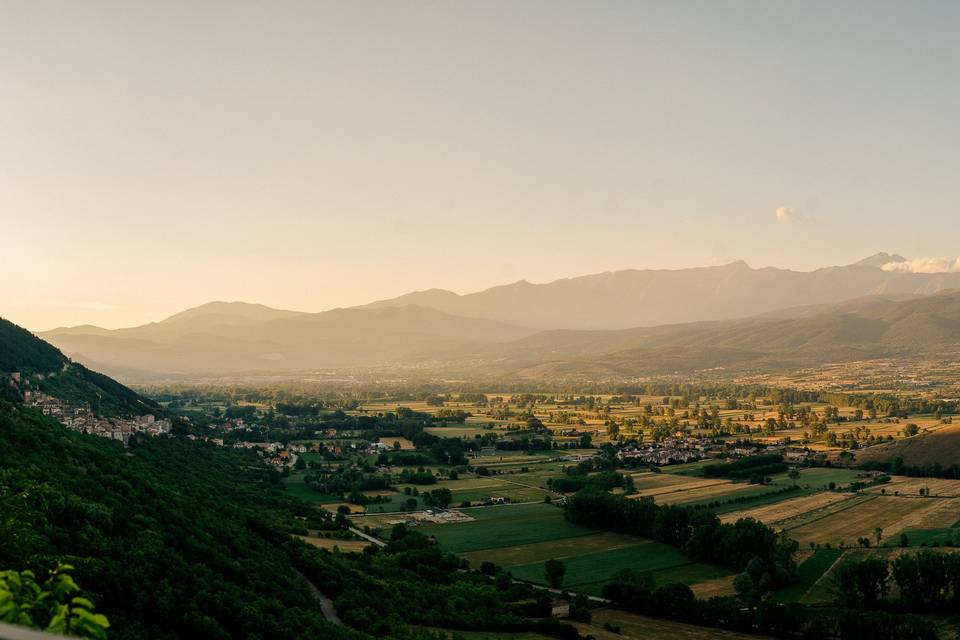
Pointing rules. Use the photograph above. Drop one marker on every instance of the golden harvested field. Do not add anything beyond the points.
(723, 489)
(634, 627)
(651, 480)
(714, 588)
(380, 492)
(892, 514)
(780, 511)
(390, 441)
(944, 515)
(347, 546)
(671, 483)
(942, 445)
(911, 486)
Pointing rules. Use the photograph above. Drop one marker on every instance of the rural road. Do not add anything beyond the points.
(376, 541)
(326, 604)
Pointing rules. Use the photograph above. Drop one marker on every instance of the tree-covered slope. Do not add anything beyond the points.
(45, 368)
(166, 536)
(20, 350)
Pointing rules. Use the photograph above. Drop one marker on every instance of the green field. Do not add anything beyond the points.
(513, 492)
(394, 503)
(919, 537)
(597, 567)
(505, 526)
(808, 573)
(689, 574)
(298, 488)
(687, 469)
(822, 592)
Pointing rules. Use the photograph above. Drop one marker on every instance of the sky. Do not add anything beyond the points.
(310, 155)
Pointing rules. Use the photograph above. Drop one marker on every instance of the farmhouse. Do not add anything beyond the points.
(560, 608)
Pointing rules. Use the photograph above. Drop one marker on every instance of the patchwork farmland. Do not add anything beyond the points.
(521, 538)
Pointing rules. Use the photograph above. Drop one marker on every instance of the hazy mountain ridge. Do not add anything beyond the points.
(633, 298)
(198, 341)
(901, 313)
(861, 329)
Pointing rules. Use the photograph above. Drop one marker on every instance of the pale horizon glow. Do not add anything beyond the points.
(313, 155)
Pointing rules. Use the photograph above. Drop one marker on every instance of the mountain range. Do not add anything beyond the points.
(635, 298)
(621, 323)
(234, 337)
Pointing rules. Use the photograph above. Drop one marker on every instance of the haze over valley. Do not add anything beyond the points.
(618, 325)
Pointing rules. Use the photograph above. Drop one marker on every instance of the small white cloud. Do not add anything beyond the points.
(925, 265)
(788, 215)
(716, 261)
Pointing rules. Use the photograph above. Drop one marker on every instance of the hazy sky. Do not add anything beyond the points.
(158, 155)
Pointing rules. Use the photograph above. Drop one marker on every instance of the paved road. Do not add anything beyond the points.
(376, 541)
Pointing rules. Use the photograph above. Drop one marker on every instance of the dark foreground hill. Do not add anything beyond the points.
(162, 535)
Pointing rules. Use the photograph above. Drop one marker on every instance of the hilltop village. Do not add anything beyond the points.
(84, 420)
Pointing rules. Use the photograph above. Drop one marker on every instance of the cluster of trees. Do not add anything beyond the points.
(576, 479)
(925, 582)
(897, 466)
(412, 582)
(633, 591)
(419, 476)
(343, 479)
(752, 467)
(697, 532)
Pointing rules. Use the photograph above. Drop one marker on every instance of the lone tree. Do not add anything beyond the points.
(878, 533)
(554, 571)
(794, 474)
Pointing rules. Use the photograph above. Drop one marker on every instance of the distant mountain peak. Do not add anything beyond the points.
(736, 264)
(880, 259)
(229, 313)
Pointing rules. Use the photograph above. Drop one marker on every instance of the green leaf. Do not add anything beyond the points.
(58, 623)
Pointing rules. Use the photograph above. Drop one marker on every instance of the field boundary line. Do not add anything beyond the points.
(825, 574)
(844, 505)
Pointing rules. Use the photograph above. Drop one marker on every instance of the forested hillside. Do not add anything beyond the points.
(163, 536)
(20, 350)
(44, 368)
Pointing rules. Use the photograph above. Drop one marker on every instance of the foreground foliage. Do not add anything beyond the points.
(51, 606)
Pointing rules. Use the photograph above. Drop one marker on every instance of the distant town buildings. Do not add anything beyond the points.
(83, 420)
